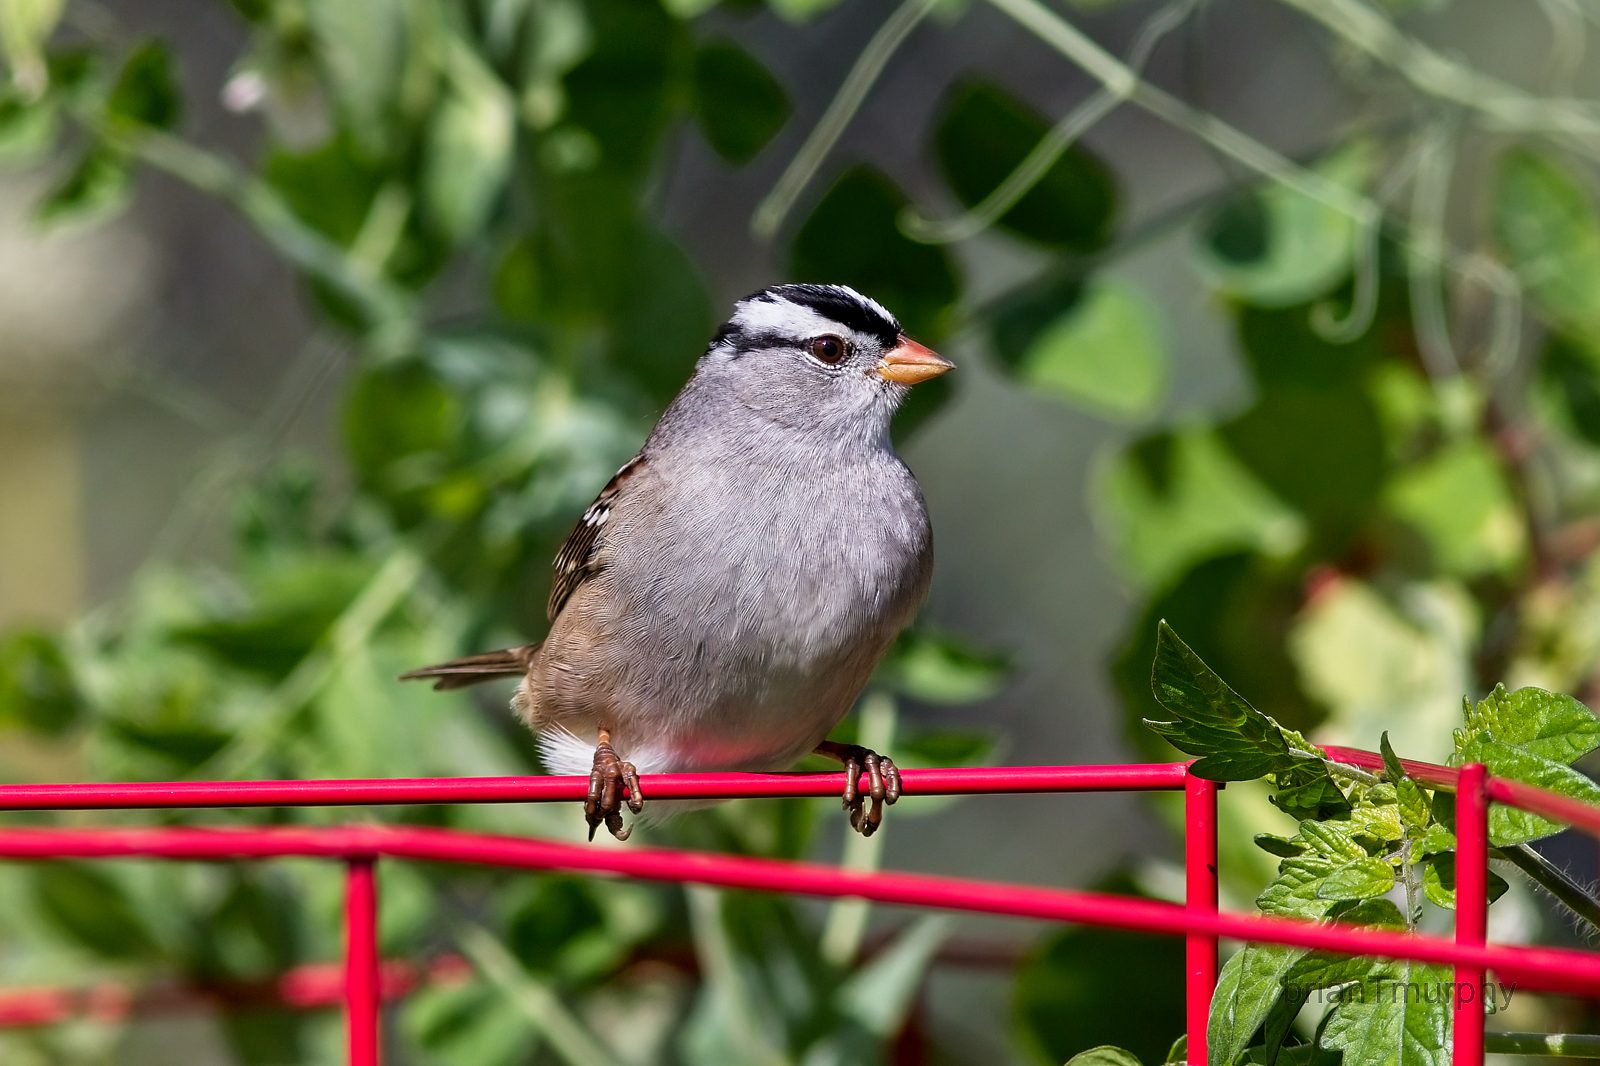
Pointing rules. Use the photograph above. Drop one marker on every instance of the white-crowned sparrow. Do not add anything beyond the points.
(723, 601)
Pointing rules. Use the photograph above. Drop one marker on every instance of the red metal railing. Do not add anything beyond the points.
(1198, 920)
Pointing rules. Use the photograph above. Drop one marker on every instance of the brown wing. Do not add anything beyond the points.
(576, 562)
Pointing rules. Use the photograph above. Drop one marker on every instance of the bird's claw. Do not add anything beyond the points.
(610, 776)
(883, 786)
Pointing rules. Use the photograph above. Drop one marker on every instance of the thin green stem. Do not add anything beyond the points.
(1562, 1045)
(1050, 148)
(1117, 77)
(719, 963)
(846, 923)
(1555, 881)
(1501, 105)
(387, 309)
(772, 210)
(1430, 194)
(1345, 770)
(566, 1033)
(351, 631)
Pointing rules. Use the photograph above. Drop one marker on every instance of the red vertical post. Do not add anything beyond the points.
(1472, 909)
(1200, 895)
(361, 961)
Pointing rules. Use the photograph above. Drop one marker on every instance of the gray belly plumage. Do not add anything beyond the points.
(750, 665)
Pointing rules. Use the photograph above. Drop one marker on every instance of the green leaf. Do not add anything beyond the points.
(1415, 806)
(1104, 1055)
(1393, 771)
(145, 92)
(921, 747)
(1393, 658)
(93, 909)
(738, 105)
(626, 89)
(1282, 847)
(1072, 993)
(880, 994)
(289, 606)
(25, 27)
(985, 132)
(1438, 840)
(1104, 351)
(470, 139)
(330, 188)
(361, 48)
(1507, 825)
(96, 188)
(1235, 741)
(1318, 970)
(1276, 247)
(1316, 436)
(1459, 503)
(1331, 840)
(470, 1022)
(1547, 724)
(1174, 498)
(403, 427)
(939, 668)
(1293, 893)
(1210, 720)
(38, 689)
(801, 10)
(1545, 220)
(853, 238)
(1249, 989)
(1361, 879)
(1439, 882)
(1401, 1016)
(28, 128)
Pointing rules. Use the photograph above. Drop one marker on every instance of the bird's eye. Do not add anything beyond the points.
(829, 349)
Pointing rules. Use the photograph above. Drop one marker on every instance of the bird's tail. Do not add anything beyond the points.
(459, 673)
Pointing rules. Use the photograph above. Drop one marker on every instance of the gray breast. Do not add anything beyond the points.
(755, 599)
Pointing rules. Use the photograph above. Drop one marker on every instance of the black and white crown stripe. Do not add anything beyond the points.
(789, 314)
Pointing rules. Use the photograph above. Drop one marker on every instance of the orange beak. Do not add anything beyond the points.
(909, 362)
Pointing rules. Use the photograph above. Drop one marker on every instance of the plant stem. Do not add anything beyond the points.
(772, 210)
(1554, 880)
(393, 581)
(388, 310)
(1501, 104)
(846, 923)
(1566, 1045)
(1050, 148)
(573, 1041)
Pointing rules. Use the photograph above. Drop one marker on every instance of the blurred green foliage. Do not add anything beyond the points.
(1399, 506)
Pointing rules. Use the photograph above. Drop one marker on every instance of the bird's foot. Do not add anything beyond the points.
(606, 783)
(883, 783)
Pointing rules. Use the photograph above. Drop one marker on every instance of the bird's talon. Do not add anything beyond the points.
(883, 784)
(607, 781)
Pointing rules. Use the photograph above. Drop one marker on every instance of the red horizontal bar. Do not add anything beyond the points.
(1428, 773)
(1550, 805)
(986, 780)
(1549, 968)
(306, 987)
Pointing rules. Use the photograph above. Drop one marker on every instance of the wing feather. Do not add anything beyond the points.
(577, 561)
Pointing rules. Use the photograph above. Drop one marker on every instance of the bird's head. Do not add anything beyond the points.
(822, 358)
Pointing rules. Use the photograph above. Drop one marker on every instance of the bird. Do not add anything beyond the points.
(725, 598)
